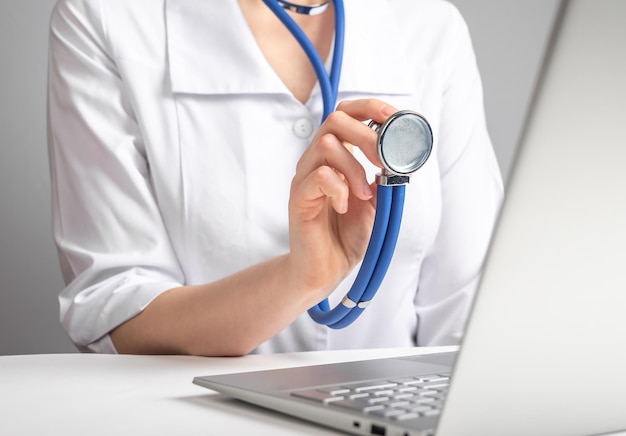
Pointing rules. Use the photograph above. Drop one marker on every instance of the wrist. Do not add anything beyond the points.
(312, 286)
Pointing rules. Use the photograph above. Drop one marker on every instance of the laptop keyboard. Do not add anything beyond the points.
(398, 399)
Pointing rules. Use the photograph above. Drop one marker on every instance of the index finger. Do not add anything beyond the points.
(363, 110)
(367, 109)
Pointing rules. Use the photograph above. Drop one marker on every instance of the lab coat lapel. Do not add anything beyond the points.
(200, 63)
(374, 53)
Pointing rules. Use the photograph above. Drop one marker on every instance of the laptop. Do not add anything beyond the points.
(544, 352)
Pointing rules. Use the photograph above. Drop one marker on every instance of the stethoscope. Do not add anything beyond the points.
(404, 144)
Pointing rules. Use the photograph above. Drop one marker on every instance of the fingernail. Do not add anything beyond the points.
(367, 191)
(342, 208)
(389, 110)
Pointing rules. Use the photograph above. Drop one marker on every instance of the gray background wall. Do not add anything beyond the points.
(510, 37)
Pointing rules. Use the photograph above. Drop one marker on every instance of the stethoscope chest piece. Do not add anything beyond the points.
(405, 141)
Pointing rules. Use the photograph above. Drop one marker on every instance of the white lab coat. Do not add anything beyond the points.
(173, 144)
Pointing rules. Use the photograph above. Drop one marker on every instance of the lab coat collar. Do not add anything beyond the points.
(199, 64)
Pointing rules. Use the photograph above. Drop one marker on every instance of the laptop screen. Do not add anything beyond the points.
(543, 352)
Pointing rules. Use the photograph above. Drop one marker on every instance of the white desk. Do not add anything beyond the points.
(86, 394)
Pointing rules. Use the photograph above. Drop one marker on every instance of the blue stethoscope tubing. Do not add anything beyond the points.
(387, 221)
(389, 199)
(329, 83)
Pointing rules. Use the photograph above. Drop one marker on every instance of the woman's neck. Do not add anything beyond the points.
(280, 48)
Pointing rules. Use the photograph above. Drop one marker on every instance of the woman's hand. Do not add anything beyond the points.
(332, 205)
(331, 211)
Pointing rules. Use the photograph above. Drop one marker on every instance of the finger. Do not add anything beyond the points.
(367, 109)
(330, 151)
(323, 184)
(347, 124)
(349, 132)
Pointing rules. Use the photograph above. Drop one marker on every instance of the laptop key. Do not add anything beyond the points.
(435, 385)
(405, 416)
(388, 413)
(419, 409)
(398, 404)
(408, 381)
(383, 393)
(334, 390)
(373, 408)
(404, 396)
(370, 386)
(425, 400)
(433, 412)
(436, 378)
(315, 395)
(379, 400)
(407, 389)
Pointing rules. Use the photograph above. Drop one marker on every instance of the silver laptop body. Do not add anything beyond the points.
(545, 348)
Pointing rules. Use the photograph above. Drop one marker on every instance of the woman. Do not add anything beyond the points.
(199, 209)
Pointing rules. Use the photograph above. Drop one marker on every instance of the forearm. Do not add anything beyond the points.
(229, 317)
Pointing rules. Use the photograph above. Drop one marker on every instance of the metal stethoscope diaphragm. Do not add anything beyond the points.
(405, 141)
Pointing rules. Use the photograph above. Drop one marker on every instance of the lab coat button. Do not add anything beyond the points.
(303, 128)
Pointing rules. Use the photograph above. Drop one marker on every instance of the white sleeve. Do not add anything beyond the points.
(113, 247)
(471, 192)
